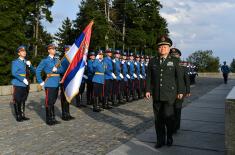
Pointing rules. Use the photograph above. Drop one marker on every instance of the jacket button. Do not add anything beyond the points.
(160, 85)
(160, 74)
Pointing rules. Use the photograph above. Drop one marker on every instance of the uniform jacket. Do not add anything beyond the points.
(117, 68)
(164, 80)
(18, 71)
(99, 70)
(185, 77)
(137, 69)
(90, 72)
(109, 68)
(142, 70)
(46, 66)
(124, 70)
(131, 67)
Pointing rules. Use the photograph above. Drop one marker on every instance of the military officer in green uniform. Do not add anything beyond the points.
(164, 82)
(178, 102)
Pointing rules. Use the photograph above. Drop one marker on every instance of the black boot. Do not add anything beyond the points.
(78, 101)
(63, 109)
(18, 117)
(104, 103)
(114, 102)
(53, 115)
(68, 112)
(107, 103)
(48, 117)
(23, 112)
(96, 107)
(121, 99)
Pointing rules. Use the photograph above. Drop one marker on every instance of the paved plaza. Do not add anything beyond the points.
(110, 130)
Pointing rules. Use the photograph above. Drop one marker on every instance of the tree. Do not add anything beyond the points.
(143, 23)
(205, 61)
(232, 66)
(93, 10)
(65, 34)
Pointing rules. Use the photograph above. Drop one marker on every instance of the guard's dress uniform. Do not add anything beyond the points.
(98, 83)
(117, 81)
(131, 68)
(64, 103)
(51, 85)
(20, 89)
(90, 74)
(164, 79)
(143, 79)
(126, 76)
(108, 84)
(137, 80)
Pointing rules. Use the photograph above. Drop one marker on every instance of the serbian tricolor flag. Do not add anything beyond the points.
(77, 56)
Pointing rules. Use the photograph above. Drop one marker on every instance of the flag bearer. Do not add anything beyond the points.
(51, 84)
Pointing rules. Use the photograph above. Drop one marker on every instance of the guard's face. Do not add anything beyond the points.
(164, 49)
(117, 56)
(138, 59)
(124, 57)
(131, 58)
(109, 54)
(92, 57)
(176, 55)
(101, 56)
(22, 53)
(52, 51)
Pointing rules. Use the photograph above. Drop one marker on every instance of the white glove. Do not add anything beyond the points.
(114, 61)
(28, 63)
(128, 76)
(121, 75)
(97, 57)
(141, 76)
(85, 77)
(123, 61)
(135, 63)
(141, 65)
(135, 76)
(54, 69)
(114, 76)
(26, 81)
(42, 85)
(129, 63)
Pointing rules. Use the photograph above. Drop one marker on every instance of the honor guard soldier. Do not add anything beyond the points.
(131, 68)
(138, 77)
(90, 74)
(98, 81)
(143, 74)
(178, 102)
(164, 81)
(64, 103)
(119, 77)
(109, 76)
(20, 69)
(51, 84)
(124, 84)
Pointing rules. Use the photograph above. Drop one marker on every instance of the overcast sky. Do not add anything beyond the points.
(193, 24)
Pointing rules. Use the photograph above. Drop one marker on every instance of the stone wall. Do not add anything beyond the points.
(230, 123)
(8, 90)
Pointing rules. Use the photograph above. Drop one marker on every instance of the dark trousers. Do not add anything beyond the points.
(143, 85)
(89, 91)
(131, 86)
(124, 88)
(225, 75)
(164, 119)
(79, 95)
(64, 103)
(108, 88)
(20, 95)
(51, 97)
(137, 88)
(116, 86)
(177, 112)
(98, 90)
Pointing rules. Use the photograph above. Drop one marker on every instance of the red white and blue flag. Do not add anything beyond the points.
(77, 56)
